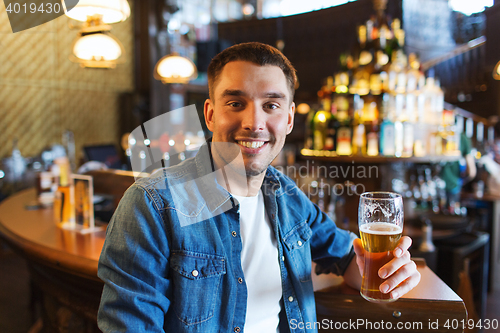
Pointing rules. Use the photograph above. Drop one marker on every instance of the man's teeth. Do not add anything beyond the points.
(252, 144)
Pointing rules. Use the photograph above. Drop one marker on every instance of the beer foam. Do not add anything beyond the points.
(380, 228)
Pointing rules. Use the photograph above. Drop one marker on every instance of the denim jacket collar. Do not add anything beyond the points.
(213, 194)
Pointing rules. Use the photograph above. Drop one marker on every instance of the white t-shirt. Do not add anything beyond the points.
(260, 264)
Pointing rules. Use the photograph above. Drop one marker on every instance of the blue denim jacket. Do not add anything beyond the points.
(171, 260)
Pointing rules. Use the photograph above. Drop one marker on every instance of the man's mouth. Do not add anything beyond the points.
(251, 144)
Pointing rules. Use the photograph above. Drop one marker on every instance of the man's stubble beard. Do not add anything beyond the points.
(251, 171)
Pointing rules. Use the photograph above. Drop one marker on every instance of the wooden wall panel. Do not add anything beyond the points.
(43, 93)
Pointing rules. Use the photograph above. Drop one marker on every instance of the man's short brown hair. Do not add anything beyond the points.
(257, 53)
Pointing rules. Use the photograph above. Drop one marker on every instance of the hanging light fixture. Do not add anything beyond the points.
(95, 47)
(173, 68)
(97, 50)
(496, 71)
(110, 11)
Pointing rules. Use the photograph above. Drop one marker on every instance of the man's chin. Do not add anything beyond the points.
(252, 173)
(254, 169)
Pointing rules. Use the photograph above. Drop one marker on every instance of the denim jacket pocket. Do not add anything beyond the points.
(297, 243)
(196, 280)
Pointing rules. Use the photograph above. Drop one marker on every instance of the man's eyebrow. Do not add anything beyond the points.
(237, 92)
(232, 92)
(275, 95)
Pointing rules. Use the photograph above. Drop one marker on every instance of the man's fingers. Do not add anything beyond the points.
(358, 247)
(360, 255)
(403, 246)
(406, 285)
(405, 278)
(394, 265)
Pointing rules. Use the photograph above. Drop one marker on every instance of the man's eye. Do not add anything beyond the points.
(234, 104)
(271, 106)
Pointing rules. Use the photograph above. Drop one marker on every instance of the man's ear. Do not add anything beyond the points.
(208, 111)
(291, 115)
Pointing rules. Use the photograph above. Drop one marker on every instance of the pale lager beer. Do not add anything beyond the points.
(379, 240)
(380, 220)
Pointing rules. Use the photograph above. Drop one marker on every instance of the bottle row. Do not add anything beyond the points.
(385, 125)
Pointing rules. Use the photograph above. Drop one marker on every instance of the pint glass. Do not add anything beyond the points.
(380, 221)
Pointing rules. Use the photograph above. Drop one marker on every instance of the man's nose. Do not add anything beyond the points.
(254, 118)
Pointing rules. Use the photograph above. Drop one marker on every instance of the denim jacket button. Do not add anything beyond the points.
(290, 299)
(195, 273)
(240, 280)
(236, 329)
(299, 243)
(234, 233)
(282, 258)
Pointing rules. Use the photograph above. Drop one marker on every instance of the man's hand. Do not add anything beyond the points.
(400, 273)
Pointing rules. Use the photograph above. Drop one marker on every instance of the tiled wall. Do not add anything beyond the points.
(43, 93)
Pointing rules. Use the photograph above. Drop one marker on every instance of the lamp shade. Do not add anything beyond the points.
(496, 71)
(97, 50)
(175, 69)
(111, 11)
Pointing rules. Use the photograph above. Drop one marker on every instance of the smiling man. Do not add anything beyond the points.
(251, 106)
(223, 242)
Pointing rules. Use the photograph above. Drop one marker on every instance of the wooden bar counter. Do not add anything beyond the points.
(432, 306)
(62, 264)
(63, 268)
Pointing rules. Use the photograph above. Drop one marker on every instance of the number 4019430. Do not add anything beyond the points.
(471, 324)
(33, 8)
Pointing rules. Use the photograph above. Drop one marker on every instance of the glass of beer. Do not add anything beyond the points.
(380, 221)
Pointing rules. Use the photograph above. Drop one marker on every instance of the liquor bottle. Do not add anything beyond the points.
(371, 29)
(420, 134)
(387, 138)
(429, 97)
(401, 64)
(358, 130)
(370, 109)
(376, 82)
(372, 143)
(427, 245)
(321, 119)
(440, 137)
(398, 138)
(378, 76)
(370, 118)
(44, 187)
(361, 75)
(341, 81)
(68, 140)
(408, 119)
(451, 144)
(408, 138)
(331, 131)
(413, 73)
(424, 190)
(18, 167)
(64, 203)
(398, 42)
(344, 134)
(439, 103)
(359, 140)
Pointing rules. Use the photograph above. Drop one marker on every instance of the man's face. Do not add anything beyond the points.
(252, 109)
